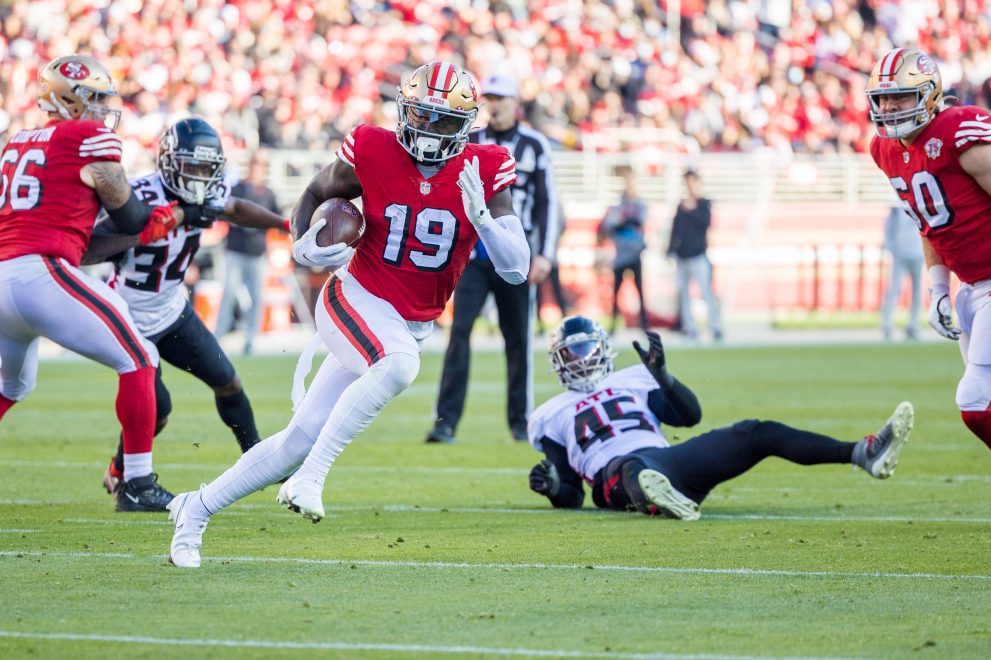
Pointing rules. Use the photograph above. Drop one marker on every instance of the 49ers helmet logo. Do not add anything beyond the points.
(925, 65)
(74, 70)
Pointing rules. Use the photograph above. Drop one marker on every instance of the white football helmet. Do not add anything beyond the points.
(438, 104)
(580, 353)
(905, 71)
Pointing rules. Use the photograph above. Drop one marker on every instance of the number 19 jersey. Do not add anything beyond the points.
(949, 206)
(417, 237)
(596, 427)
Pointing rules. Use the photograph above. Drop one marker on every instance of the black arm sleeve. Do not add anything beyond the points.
(675, 406)
(571, 495)
(132, 217)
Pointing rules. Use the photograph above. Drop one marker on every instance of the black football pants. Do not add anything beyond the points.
(514, 302)
(699, 464)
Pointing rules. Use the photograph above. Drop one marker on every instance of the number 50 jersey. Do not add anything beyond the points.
(417, 236)
(149, 277)
(949, 206)
(596, 427)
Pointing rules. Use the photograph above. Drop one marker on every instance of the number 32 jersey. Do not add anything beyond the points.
(951, 209)
(596, 427)
(149, 277)
(417, 237)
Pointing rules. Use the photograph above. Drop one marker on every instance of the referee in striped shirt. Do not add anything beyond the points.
(535, 202)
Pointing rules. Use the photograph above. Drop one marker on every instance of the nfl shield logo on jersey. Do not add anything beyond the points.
(424, 187)
(933, 147)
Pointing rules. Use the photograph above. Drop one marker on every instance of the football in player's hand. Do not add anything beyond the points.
(345, 224)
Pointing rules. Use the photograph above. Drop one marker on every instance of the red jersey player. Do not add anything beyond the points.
(53, 181)
(427, 197)
(938, 161)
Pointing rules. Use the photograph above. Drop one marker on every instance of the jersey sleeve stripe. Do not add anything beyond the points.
(97, 139)
(92, 153)
(509, 163)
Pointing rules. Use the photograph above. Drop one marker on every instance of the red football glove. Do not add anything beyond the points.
(161, 221)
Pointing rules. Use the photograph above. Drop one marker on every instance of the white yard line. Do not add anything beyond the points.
(695, 570)
(374, 647)
(17, 531)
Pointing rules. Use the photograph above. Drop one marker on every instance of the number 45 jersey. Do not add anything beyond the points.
(596, 427)
(150, 277)
(417, 237)
(951, 209)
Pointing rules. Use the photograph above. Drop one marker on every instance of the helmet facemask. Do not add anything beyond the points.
(437, 106)
(899, 123)
(191, 171)
(581, 354)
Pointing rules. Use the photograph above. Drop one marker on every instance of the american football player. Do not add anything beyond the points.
(938, 161)
(53, 180)
(427, 197)
(149, 276)
(605, 430)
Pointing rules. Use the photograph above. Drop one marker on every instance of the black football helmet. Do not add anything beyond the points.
(581, 353)
(191, 160)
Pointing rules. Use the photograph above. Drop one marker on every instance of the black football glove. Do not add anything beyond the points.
(544, 479)
(201, 215)
(653, 359)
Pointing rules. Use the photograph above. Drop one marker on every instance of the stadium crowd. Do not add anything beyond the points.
(724, 75)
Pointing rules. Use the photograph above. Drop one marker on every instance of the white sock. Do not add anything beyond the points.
(137, 465)
(264, 464)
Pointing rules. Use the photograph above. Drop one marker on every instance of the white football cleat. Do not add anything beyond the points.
(658, 489)
(878, 454)
(303, 496)
(188, 536)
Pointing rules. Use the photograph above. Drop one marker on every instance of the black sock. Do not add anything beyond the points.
(119, 456)
(235, 411)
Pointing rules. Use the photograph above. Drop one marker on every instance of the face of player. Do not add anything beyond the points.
(433, 122)
(897, 102)
(502, 111)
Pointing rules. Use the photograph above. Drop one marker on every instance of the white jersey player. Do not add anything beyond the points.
(149, 277)
(605, 431)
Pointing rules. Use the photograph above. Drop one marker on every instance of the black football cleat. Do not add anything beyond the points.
(441, 433)
(142, 494)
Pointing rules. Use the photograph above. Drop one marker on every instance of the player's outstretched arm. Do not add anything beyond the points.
(673, 402)
(335, 180)
(246, 213)
(128, 213)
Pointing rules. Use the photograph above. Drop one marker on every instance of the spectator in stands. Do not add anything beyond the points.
(901, 240)
(688, 245)
(624, 226)
(244, 256)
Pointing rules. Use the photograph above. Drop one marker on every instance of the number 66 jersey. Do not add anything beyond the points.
(417, 238)
(952, 211)
(596, 427)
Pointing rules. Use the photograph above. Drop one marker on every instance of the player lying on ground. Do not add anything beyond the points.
(149, 277)
(606, 430)
(427, 196)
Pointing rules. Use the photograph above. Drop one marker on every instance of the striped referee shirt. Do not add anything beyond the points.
(534, 192)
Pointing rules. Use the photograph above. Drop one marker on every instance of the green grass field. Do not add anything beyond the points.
(442, 551)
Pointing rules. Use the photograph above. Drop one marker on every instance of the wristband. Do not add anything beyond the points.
(939, 276)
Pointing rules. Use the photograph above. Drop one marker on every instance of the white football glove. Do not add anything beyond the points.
(306, 251)
(473, 193)
(941, 313)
